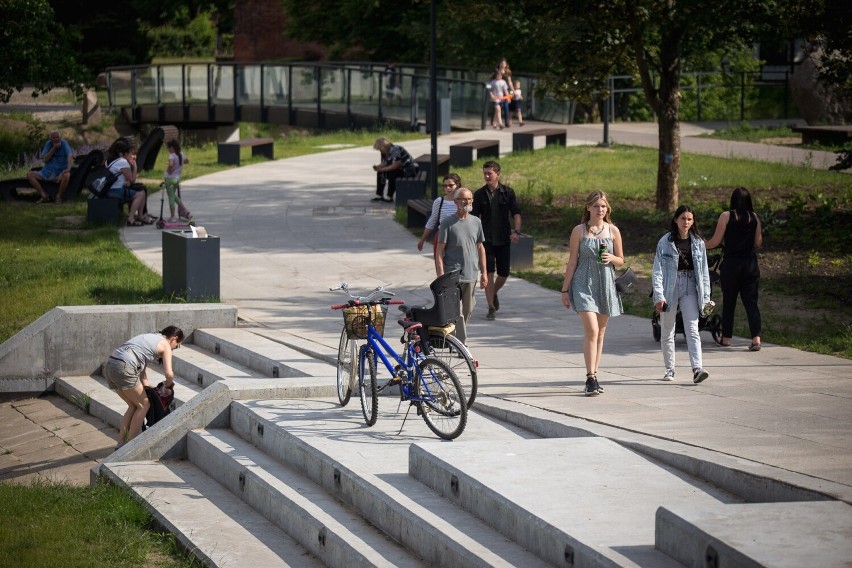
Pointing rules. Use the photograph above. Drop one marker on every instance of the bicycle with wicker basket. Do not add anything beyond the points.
(425, 382)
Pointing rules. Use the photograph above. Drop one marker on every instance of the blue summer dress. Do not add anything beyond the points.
(593, 284)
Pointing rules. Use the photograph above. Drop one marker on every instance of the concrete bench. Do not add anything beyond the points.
(521, 253)
(525, 140)
(229, 152)
(462, 155)
(425, 162)
(418, 212)
(826, 135)
(409, 188)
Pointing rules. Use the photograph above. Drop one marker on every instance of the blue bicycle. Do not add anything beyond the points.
(426, 382)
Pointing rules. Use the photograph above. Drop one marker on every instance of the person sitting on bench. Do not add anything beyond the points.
(396, 163)
(121, 160)
(58, 159)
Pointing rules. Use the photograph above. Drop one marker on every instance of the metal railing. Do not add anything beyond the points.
(359, 94)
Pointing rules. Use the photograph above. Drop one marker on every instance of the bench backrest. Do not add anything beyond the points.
(80, 173)
(146, 155)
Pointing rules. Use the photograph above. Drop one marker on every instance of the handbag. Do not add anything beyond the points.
(625, 281)
(101, 180)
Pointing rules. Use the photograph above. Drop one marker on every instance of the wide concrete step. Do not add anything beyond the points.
(587, 500)
(333, 532)
(205, 367)
(271, 358)
(92, 393)
(207, 519)
(758, 534)
(366, 468)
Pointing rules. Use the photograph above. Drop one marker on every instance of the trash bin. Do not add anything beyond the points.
(444, 117)
(191, 265)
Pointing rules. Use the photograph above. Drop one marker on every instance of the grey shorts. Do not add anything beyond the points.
(121, 375)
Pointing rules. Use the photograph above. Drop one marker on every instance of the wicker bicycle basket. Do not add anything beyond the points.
(357, 318)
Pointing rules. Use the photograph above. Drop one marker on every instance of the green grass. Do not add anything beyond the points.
(806, 261)
(57, 525)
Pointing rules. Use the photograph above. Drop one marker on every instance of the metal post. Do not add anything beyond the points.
(433, 101)
(349, 97)
(698, 97)
(742, 95)
(184, 106)
(606, 142)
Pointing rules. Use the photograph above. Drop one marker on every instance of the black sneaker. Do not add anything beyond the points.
(591, 387)
(496, 303)
(598, 386)
(699, 375)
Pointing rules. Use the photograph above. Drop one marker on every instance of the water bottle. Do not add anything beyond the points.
(601, 250)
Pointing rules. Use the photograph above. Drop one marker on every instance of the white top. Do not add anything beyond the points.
(176, 165)
(440, 212)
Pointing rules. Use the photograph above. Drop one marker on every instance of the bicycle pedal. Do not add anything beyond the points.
(394, 381)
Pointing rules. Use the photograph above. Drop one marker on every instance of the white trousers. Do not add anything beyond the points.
(686, 296)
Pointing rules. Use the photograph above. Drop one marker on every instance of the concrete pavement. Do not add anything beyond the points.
(289, 229)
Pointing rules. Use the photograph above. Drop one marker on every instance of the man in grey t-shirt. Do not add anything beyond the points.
(460, 247)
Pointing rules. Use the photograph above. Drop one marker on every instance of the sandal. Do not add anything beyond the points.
(134, 223)
(45, 199)
(148, 220)
(754, 347)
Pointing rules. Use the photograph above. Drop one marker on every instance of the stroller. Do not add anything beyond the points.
(712, 323)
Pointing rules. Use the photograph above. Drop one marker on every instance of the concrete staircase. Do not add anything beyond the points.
(259, 465)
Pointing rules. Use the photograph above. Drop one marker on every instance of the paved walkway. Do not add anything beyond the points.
(291, 228)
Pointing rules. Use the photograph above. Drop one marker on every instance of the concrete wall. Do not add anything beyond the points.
(75, 340)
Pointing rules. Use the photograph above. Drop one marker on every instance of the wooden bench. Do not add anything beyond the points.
(409, 188)
(425, 162)
(526, 140)
(229, 152)
(419, 211)
(83, 166)
(462, 155)
(825, 135)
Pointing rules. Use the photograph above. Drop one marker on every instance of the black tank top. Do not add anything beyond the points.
(739, 236)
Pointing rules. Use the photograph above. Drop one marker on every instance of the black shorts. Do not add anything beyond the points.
(500, 256)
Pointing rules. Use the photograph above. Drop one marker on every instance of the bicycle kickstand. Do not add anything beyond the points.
(404, 418)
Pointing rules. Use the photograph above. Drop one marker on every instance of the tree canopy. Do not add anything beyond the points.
(36, 50)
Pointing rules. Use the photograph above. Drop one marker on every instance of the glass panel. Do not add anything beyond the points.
(146, 85)
(248, 81)
(171, 85)
(275, 85)
(223, 84)
(304, 86)
(196, 84)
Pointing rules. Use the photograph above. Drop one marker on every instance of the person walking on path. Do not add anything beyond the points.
(58, 157)
(396, 163)
(741, 231)
(460, 247)
(681, 278)
(442, 208)
(125, 372)
(499, 90)
(594, 250)
(497, 207)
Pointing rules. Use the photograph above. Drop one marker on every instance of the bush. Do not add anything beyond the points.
(197, 40)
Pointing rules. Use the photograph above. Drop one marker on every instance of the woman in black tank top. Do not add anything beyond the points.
(740, 229)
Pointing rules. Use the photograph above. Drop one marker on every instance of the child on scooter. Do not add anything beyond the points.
(172, 178)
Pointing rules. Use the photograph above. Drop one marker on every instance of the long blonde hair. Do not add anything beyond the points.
(590, 200)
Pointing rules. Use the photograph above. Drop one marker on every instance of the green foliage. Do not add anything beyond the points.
(195, 39)
(36, 51)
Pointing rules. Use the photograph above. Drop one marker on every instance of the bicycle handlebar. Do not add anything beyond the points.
(373, 297)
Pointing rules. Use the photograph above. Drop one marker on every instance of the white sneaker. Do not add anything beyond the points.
(670, 375)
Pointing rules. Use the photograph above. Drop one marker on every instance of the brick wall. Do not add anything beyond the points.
(258, 34)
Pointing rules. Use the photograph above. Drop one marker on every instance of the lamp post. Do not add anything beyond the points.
(433, 102)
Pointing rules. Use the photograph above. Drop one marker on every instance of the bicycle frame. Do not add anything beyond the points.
(381, 348)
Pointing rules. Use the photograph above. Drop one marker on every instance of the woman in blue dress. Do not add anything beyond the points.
(589, 286)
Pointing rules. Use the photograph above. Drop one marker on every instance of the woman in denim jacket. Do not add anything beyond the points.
(681, 278)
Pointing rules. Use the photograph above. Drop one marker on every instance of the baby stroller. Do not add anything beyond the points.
(712, 323)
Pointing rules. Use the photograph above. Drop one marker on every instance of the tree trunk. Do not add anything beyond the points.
(668, 165)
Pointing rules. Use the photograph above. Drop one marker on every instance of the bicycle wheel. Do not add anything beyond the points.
(368, 384)
(448, 349)
(442, 403)
(347, 357)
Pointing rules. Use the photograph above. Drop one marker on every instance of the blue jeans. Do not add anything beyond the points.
(686, 296)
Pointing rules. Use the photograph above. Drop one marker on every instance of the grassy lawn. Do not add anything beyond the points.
(806, 262)
(50, 525)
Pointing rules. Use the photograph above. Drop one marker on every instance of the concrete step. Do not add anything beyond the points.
(757, 534)
(207, 519)
(586, 501)
(367, 469)
(264, 355)
(93, 394)
(205, 367)
(331, 531)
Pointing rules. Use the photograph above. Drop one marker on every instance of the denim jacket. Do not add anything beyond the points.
(664, 275)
